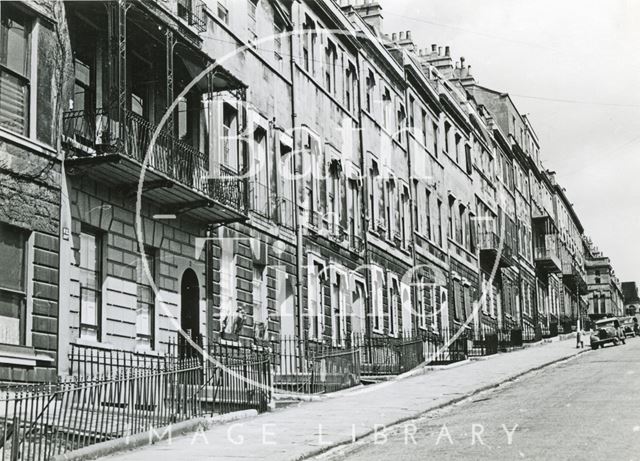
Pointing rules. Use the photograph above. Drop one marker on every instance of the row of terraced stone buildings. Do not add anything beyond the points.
(249, 170)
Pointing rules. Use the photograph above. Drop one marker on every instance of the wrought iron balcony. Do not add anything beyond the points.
(269, 205)
(492, 248)
(117, 152)
(547, 258)
(356, 243)
(192, 11)
(573, 276)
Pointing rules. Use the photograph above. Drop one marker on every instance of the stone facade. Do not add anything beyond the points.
(315, 178)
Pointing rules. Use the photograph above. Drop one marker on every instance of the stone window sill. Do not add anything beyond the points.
(21, 356)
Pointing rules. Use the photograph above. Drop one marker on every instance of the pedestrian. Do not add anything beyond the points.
(579, 341)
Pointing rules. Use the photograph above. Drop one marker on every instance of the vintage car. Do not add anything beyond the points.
(607, 331)
(628, 326)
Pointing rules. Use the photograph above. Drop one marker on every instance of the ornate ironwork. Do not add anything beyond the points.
(96, 134)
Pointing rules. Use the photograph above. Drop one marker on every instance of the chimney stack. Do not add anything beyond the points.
(371, 13)
(440, 61)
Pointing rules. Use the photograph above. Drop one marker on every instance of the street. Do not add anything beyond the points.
(586, 408)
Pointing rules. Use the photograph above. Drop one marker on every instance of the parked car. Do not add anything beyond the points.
(607, 331)
(628, 326)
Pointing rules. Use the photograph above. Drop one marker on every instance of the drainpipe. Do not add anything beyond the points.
(296, 217)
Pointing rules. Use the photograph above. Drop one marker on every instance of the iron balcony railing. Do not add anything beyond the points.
(356, 243)
(489, 240)
(98, 133)
(192, 11)
(285, 208)
(270, 205)
(259, 199)
(545, 253)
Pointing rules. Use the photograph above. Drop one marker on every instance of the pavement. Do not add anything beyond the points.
(587, 408)
(311, 428)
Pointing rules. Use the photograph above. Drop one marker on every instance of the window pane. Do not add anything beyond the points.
(13, 34)
(14, 94)
(12, 257)
(137, 104)
(90, 303)
(83, 73)
(90, 284)
(146, 299)
(11, 318)
(182, 118)
(88, 252)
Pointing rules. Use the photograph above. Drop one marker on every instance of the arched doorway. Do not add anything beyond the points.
(190, 304)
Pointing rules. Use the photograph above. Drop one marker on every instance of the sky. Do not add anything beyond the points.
(573, 66)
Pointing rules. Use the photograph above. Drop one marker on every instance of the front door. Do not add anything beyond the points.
(190, 305)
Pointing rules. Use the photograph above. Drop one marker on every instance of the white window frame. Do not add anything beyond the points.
(377, 303)
(339, 288)
(393, 302)
(316, 302)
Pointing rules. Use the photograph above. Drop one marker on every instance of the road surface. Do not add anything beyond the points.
(587, 408)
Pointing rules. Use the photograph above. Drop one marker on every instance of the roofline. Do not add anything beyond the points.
(570, 208)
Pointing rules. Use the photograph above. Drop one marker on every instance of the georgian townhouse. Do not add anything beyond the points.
(630, 297)
(385, 165)
(330, 187)
(455, 146)
(571, 233)
(521, 313)
(431, 267)
(494, 252)
(203, 210)
(546, 242)
(254, 265)
(605, 295)
(31, 78)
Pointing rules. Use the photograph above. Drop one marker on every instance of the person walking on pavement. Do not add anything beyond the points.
(579, 340)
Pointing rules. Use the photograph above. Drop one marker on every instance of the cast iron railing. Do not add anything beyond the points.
(98, 133)
(42, 421)
(192, 11)
(302, 365)
(389, 355)
(491, 241)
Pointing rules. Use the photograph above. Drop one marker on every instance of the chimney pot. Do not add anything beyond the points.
(447, 50)
(461, 62)
(439, 51)
(434, 47)
(408, 35)
(401, 35)
(394, 36)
